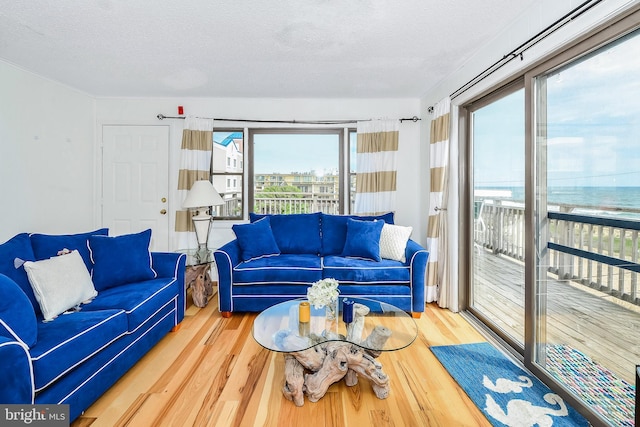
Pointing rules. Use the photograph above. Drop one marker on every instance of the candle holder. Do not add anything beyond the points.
(347, 311)
(304, 319)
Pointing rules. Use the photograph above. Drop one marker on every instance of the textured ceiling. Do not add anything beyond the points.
(250, 48)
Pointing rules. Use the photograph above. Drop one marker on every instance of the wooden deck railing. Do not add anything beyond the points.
(595, 251)
(296, 205)
(283, 203)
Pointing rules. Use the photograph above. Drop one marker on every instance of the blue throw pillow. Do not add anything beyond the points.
(17, 312)
(121, 259)
(295, 233)
(12, 255)
(334, 230)
(256, 239)
(47, 245)
(363, 239)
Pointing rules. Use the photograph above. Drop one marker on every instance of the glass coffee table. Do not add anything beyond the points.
(319, 353)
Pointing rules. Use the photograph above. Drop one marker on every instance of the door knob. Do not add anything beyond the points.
(163, 211)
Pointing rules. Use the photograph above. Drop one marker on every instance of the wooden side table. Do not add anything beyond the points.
(197, 275)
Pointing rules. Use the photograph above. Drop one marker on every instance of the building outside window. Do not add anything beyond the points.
(291, 170)
(228, 150)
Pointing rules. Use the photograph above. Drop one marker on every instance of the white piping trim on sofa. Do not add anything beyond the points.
(411, 273)
(267, 267)
(150, 297)
(172, 300)
(272, 283)
(12, 332)
(79, 362)
(25, 348)
(106, 345)
(230, 276)
(112, 359)
(80, 333)
(184, 289)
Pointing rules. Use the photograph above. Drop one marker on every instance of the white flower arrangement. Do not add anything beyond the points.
(323, 292)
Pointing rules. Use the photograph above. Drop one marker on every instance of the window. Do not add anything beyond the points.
(228, 148)
(588, 215)
(288, 166)
(353, 150)
(497, 137)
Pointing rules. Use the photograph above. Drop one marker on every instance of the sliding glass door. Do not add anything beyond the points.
(497, 273)
(552, 197)
(587, 335)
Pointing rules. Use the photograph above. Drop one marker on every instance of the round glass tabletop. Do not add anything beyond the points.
(384, 327)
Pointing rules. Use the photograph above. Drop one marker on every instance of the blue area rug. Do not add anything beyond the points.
(507, 394)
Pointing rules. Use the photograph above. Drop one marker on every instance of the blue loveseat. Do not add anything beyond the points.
(275, 258)
(73, 357)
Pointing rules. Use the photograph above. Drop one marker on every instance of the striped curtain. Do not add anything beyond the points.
(195, 164)
(376, 166)
(438, 197)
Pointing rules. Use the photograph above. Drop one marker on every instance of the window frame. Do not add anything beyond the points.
(229, 175)
(342, 162)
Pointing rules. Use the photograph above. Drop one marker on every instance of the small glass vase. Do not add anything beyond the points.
(331, 320)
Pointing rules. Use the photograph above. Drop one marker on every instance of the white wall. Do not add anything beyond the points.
(50, 137)
(46, 155)
(145, 110)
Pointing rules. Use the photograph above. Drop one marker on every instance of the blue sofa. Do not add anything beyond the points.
(275, 258)
(74, 357)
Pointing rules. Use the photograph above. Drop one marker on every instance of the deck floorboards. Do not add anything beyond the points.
(602, 327)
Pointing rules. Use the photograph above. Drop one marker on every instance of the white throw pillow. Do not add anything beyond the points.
(60, 283)
(393, 241)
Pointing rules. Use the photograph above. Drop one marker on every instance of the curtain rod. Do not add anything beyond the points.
(306, 122)
(519, 51)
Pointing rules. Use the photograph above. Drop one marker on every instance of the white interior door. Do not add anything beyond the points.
(135, 181)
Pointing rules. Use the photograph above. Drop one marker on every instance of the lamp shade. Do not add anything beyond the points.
(202, 194)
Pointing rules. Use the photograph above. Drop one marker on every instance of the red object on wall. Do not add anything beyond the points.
(180, 109)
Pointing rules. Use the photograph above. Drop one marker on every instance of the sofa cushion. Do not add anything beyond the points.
(60, 283)
(361, 271)
(48, 245)
(121, 259)
(363, 239)
(393, 242)
(140, 300)
(282, 269)
(256, 240)
(12, 255)
(334, 230)
(17, 312)
(69, 340)
(295, 233)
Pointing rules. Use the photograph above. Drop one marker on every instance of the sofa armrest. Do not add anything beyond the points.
(16, 372)
(227, 257)
(172, 265)
(417, 257)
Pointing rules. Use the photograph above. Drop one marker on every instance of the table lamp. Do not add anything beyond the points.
(202, 196)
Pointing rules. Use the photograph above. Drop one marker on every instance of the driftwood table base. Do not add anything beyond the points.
(198, 279)
(312, 371)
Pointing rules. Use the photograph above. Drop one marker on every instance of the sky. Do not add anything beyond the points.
(285, 153)
(593, 125)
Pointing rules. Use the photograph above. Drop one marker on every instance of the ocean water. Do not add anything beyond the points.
(603, 201)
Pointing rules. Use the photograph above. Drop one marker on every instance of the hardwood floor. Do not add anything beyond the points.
(212, 373)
